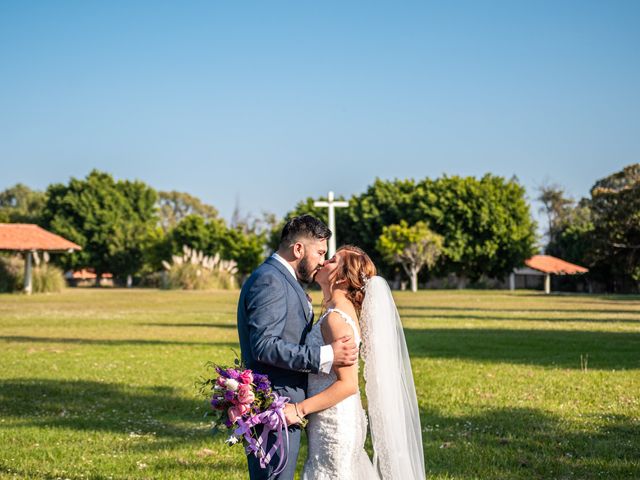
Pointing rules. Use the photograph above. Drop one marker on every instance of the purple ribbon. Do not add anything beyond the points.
(273, 420)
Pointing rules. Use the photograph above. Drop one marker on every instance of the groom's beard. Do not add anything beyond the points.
(305, 273)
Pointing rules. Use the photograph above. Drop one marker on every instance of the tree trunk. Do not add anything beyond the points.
(414, 280)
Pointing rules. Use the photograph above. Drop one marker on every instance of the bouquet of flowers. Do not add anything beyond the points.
(244, 404)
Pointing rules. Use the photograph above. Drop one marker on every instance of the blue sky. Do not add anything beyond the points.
(266, 103)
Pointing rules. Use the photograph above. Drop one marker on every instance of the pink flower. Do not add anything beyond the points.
(245, 394)
(234, 413)
(246, 377)
(221, 381)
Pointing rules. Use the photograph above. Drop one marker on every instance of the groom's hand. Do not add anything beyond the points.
(345, 352)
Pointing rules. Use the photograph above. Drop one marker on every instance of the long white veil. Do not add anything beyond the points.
(394, 418)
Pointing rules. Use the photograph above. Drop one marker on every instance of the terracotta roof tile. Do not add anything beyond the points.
(25, 237)
(88, 274)
(556, 266)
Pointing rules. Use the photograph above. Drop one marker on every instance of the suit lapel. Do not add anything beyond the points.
(294, 283)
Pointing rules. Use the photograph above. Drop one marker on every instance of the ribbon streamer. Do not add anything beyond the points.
(273, 420)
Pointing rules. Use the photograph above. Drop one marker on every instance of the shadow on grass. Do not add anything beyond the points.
(522, 443)
(469, 316)
(212, 467)
(156, 419)
(525, 310)
(553, 348)
(514, 443)
(230, 326)
(117, 342)
(97, 406)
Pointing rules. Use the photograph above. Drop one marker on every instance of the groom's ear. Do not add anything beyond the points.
(298, 250)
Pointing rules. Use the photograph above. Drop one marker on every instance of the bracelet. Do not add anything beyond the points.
(303, 421)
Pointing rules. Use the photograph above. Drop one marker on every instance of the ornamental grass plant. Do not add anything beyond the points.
(193, 270)
(45, 277)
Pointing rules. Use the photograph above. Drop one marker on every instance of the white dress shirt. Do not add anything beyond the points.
(326, 351)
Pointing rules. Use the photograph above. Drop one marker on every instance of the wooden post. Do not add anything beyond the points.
(28, 286)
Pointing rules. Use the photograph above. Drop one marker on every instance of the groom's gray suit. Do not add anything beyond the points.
(273, 320)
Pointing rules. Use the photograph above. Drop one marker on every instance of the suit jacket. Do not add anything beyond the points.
(273, 321)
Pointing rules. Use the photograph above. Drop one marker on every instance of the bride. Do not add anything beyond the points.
(359, 303)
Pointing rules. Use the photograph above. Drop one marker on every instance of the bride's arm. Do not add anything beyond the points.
(333, 328)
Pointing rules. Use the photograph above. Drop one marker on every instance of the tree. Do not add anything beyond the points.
(138, 233)
(306, 206)
(615, 210)
(412, 247)
(246, 248)
(193, 232)
(175, 206)
(112, 221)
(486, 223)
(383, 203)
(557, 207)
(21, 204)
(573, 237)
(197, 233)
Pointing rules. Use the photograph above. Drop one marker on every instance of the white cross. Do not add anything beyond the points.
(331, 204)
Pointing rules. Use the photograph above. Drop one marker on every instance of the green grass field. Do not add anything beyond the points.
(99, 384)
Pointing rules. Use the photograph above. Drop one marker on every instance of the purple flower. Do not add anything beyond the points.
(228, 396)
(233, 374)
(263, 386)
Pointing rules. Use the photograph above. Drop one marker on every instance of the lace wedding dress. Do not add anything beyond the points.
(336, 435)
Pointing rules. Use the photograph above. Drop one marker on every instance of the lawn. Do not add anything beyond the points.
(99, 384)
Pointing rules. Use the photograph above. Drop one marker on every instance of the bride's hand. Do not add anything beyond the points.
(290, 414)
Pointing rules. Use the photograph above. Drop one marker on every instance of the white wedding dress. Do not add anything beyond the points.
(336, 435)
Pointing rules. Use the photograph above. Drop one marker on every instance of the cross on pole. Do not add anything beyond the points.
(331, 205)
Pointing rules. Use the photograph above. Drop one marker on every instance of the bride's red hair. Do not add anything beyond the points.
(355, 268)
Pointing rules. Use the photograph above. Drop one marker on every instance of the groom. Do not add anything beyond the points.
(274, 317)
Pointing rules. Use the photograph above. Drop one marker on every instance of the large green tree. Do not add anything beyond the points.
(112, 220)
(486, 223)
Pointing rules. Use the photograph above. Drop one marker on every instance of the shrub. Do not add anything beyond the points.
(11, 273)
(45, 278)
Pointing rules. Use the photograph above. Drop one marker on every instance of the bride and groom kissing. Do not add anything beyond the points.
(315, 364)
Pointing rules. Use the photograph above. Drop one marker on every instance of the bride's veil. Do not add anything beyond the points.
(394, 418)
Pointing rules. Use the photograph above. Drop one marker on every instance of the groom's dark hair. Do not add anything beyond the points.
(306, 226)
